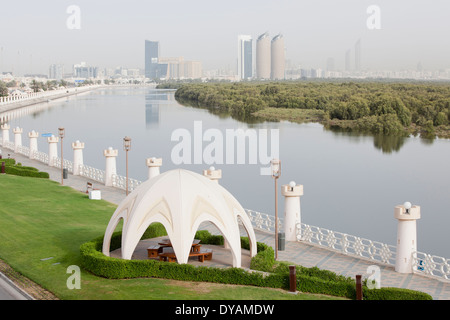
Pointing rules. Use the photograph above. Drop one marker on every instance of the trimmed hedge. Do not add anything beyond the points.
(24, 172)
(18, 170)
(311, 280)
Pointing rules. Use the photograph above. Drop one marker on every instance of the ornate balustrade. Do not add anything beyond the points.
(92, 173)
(120, 182)
(347, 244)
(430, 265)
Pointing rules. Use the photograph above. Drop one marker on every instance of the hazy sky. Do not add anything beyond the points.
(34, 33)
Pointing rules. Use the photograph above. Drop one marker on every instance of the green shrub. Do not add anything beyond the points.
(24, 172)
(394, 294)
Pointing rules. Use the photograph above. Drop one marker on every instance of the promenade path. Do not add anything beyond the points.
(296, 252)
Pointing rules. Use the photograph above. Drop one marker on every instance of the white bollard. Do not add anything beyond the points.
(17, 138)
(406, 236)
(153, 165)
(77, 147)
(213, 174)
(33, 135)
(5, 133)
(110, 168)
(292, 213)
(52, 150)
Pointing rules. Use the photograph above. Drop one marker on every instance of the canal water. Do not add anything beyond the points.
(351, 182)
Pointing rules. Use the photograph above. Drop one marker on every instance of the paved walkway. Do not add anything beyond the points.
(296, 252)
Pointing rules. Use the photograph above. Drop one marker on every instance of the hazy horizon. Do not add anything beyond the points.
(112, 33)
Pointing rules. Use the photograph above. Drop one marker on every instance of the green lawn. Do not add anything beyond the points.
(39, 219)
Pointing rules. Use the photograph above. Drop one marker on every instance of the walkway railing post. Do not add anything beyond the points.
(359, 293)
(292, 279)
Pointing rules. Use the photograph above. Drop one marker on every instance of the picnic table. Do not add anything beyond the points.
(165, 251)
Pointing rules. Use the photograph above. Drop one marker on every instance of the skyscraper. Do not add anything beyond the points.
(263, 62)
(277, 58)
(245, 57)
(358, 55)
(348, 61)
(153, 69)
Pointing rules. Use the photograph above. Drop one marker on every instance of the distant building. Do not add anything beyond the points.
(245, 57)
(278, 59)
(358, 55)
(56, 71)
(157, 67)
(263, 63)
(178, 68)
(84, 71)
(348, 61)
(153, 69)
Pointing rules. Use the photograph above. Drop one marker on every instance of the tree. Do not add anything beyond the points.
(3, 89)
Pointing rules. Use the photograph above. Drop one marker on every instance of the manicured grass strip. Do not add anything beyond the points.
(41, 219)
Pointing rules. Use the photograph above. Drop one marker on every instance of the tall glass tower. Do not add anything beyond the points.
(152, 67)
(245, 57)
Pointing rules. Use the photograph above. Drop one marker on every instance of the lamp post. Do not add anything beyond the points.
(276, 173)
(61, 136)
(127, 147)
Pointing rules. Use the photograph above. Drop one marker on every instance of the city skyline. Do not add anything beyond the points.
(111, 33)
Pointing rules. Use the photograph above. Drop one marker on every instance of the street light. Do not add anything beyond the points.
(61, 132)
(275, 165)
(127, 147)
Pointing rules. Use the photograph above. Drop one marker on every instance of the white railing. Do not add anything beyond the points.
(67, 164)
(40, 156)
(9, 145)
(120, 182)
(92, 173)
(263, 221)
(347, 244)
(45, 94)
(23, 150)
(430, 265)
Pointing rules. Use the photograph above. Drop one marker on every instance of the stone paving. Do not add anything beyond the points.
(296, 252)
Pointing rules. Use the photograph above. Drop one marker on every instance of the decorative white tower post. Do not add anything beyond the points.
(213, 174)
(292, 213)
(406, 236)
(5, 133)
(52, 150)
(153, 165)
(110, 168)
(33, 135)
(77, 147)
(17, 138)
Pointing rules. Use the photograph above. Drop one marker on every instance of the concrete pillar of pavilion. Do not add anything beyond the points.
(153, 165)
(213, 174)
(110, 168)
(292, 213)
(407, 215)
(77, 147)
(5, 133)
(52, 150)
(17, 138)
(33, 135)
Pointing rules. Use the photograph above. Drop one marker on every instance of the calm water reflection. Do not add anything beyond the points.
(351, 182)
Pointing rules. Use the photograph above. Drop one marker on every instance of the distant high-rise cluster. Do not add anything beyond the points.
(157, 67)
(270, 57)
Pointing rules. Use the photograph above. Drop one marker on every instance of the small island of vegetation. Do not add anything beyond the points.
(386, 108)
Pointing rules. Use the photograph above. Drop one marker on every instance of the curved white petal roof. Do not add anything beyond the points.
(181, 200)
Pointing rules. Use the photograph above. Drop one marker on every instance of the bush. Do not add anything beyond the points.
(25, 172)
